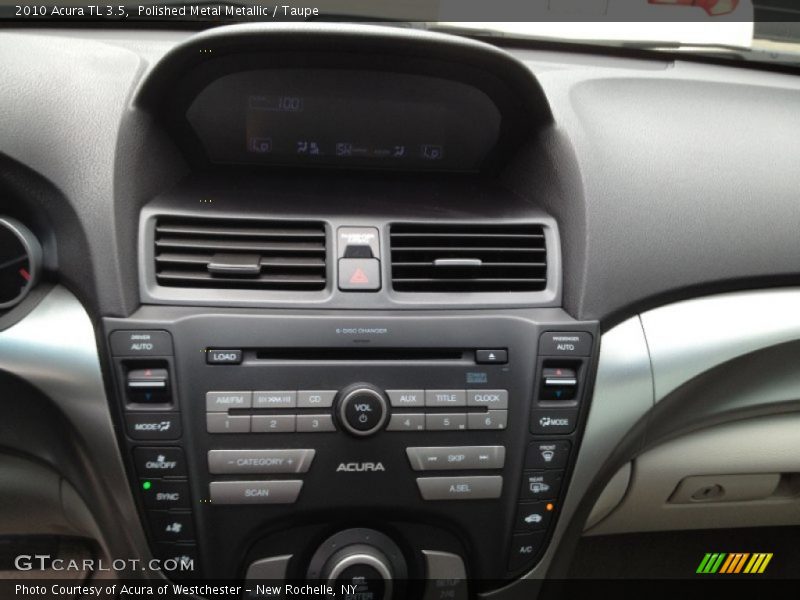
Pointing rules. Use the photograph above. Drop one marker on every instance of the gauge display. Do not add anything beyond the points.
(341, 118)
(20, 257)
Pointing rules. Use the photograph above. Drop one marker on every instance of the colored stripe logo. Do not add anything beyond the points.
(734, 563)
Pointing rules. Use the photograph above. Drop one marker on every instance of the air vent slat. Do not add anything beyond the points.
(496, 258)
(288, 256)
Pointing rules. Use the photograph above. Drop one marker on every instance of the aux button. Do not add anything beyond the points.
(362, 410)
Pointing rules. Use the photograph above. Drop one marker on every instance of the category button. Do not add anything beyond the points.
(496, 399)
(153, 426)
(222, 401)
(159, 462)
(224, 357)
(477, 487)
(222, 462)
(254, 492)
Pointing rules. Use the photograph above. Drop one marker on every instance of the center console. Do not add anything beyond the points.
(350, 365)
(254, 439)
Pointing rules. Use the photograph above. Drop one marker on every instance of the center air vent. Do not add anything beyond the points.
(468, 258)
(239, 253)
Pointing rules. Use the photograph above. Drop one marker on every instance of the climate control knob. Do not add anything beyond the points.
(362, 410)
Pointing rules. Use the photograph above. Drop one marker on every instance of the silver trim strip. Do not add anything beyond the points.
(54, 349)
(688, 338)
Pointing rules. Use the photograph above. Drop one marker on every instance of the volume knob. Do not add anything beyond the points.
(362, 410)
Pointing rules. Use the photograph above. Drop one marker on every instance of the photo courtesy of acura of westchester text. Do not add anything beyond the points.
(399, 299)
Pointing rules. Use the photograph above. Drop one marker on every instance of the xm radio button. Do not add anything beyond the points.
(283, 399)
(547, 455)
(477, 487)
(154, 426)
(254, 492)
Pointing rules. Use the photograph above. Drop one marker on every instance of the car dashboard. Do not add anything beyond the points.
(352, 304)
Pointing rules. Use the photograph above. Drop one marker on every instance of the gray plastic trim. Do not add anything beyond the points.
(331, 297)
(54, 349)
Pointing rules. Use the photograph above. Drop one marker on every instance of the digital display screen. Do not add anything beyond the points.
(315, 117)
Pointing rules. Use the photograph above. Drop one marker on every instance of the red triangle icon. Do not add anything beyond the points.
(359, 276)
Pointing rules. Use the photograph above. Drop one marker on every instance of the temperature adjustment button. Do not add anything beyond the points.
(363, 411)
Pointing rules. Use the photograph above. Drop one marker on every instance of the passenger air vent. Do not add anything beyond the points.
(238, 253)
(468, 258)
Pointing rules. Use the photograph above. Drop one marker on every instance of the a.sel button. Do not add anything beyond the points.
(524, 548)
(553, 421)
(547, 455)
(165, 494)
(478, 487)
(540, 485)
(170, 526)
(159, 462)
(153, 426)
(255, 492)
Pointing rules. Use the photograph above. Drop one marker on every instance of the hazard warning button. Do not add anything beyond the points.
(359, 274)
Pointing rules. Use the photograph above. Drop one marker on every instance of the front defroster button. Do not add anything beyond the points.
(547, 455)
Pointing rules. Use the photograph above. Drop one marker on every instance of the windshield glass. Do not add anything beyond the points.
(747, 30)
